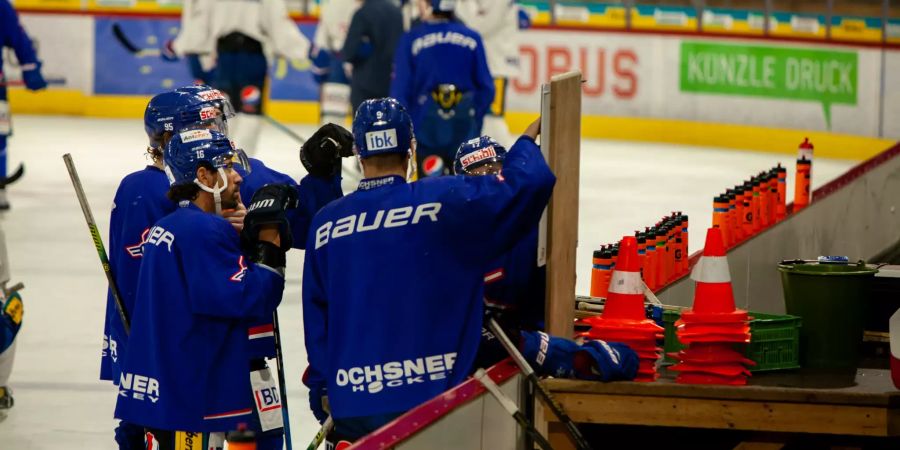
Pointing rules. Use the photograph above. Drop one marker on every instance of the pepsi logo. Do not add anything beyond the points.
(433, 165)
(250, 98)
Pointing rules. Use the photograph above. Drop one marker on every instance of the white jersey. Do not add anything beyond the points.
(497, 21)
(205, 21)
(334, 21)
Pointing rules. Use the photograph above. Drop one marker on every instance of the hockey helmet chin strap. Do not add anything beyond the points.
(216, 191)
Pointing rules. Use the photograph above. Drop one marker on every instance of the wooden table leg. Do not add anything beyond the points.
(559, 437)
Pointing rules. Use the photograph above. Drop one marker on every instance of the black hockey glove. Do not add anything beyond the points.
(321, 154)
(267, 208)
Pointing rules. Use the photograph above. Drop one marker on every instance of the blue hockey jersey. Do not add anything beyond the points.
(139, 202)
(516, 285)
(313, 193)
(393, 280)
(12, 35)
(186, 366)
(440, 52)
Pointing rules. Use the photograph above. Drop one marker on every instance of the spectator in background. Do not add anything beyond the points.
(243, 35)
(374, 32)
(497, 21)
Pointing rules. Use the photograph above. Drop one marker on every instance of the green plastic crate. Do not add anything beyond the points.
(774, 340)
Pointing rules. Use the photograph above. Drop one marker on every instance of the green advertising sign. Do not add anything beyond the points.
(823, 76)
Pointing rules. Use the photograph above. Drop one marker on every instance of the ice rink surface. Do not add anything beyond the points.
(61, 404)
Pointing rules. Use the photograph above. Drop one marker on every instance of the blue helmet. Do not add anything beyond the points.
(444, 6)
(477, 152)
(204, 107)
(187, 150)
(159, 116)
(381, 126)
(186, 108)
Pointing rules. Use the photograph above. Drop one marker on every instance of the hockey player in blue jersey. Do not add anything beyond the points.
(321, 157)
(514, 295)
(442, 77)
(379, 345)
(13, 35)
(185, 375)
(139, 202)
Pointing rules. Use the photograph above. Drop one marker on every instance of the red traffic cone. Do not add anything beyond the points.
(713, 297)
(625, 298)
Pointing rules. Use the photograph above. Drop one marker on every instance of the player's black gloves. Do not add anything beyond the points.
(267, 208)
(321, 154)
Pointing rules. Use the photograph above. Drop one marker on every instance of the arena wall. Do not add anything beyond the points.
(750, 92)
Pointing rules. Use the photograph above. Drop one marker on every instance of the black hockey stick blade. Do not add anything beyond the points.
(14, 177)
(120, 36)
(20, 83)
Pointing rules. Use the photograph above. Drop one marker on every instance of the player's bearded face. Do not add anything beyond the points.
(231, 195)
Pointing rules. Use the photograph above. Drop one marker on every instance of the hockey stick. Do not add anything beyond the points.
(650, 295)
(512, 409)
(98, 241)
(14, 177)
(279, 361)
(300, 139)
(320, 436)
(577, 438)
(133, 49)
(19, 83)
(15, 288)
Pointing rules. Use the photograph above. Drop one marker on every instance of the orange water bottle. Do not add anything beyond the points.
(662, 252)
(720, 217)
(242, 439)
(764, 220)
(747, 223)
(642, 249)
(773, 196)
(600, 272)
(731, 218)
(650, 266)
(780, 205)
(802, 194)
(738, 213)
(756, 204)
(684, 243)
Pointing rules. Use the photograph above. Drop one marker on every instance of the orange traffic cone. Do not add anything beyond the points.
(713, 324)
(623, 319)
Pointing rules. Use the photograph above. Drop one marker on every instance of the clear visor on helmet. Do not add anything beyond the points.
(230, 159)
(491, 167)
(214, 116)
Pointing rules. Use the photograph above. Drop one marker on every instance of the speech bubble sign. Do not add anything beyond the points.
(784, 73)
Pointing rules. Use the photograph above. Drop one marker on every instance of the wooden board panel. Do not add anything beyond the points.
(562, 229)
(872, 388)
(728, 414)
